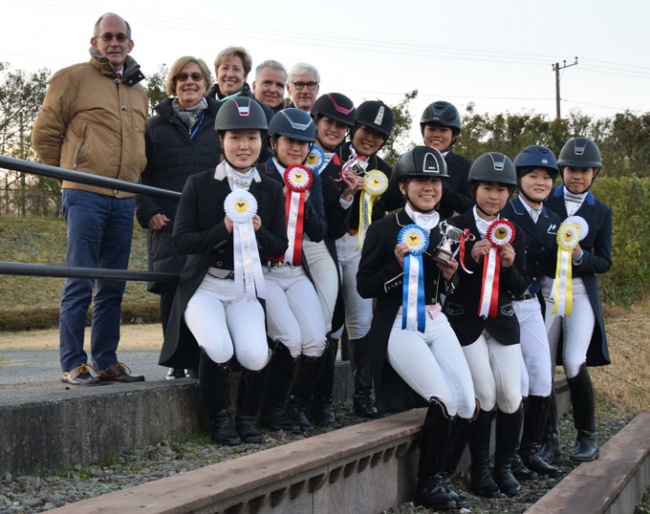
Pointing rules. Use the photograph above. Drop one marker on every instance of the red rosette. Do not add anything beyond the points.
(298, 178)
(500, 232)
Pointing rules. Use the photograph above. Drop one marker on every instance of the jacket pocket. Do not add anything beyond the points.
(507, 310)
(454, 309)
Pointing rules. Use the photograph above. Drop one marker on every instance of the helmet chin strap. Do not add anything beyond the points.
(489, 214)
(527, 196)
(417, 209)
(236, 168)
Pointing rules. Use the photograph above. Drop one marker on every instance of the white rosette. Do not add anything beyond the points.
(240, 206)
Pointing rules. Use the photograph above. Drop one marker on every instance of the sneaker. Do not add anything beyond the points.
(79, 376)
(118, 372)
(175, 373)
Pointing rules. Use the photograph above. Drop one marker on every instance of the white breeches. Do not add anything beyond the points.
(326, 279)
(222, 326)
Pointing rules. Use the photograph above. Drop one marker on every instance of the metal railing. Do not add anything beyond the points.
(46, 270)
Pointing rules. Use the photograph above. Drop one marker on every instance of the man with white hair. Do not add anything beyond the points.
(303, 85)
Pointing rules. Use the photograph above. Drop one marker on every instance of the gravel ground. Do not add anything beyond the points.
(32, 494)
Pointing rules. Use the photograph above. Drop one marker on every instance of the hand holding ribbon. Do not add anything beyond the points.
(240, 207)
(413, 310)
(499, 233)
(298, 180)
(570, 233)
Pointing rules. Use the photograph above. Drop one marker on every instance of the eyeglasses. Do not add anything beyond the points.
(108, 37)
(309, 85)
(196, 77)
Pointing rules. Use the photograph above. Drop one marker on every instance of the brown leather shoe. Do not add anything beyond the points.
(79, 376)
(118, 372)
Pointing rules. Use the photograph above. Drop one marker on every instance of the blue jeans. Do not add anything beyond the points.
(99, 231)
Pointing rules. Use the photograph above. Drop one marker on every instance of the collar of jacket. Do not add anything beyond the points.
(520, 209)
(558, 192)
(132, 74)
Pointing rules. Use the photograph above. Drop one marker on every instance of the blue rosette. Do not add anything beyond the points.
(413, 305)
(316, 159)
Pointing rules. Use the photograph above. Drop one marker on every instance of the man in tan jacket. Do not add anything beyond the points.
(93, 120)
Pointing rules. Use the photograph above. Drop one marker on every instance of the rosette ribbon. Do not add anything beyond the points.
(298, 179)
(413, 309)
(467, 236)
(240, 206)
(570, 233)
(500, 232)
(375, 184)
(316, 159)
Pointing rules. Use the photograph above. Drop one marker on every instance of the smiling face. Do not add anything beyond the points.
(188, 89)
(491, 197)
(367, 141)
(330, 133)
(438, 137)
(290, 151)
(423, 193)
(231, 75)
(536, 185)
(268, 87)
(578, 180)
(107, 41)
(241, 148)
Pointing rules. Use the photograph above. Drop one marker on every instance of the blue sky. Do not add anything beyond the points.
(496, 54)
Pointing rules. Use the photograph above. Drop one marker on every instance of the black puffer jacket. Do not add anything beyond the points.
(172, 156)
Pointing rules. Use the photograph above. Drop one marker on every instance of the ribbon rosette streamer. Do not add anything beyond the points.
(413, 310)
(570, 233)
(375, 184)
(499, 233)
(240, 207)
(316, 159)
(298, 179)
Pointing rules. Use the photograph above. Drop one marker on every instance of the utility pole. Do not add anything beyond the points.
(556, 69)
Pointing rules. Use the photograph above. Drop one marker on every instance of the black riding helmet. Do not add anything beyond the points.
(240, 113)
(335, 106)
(421, 161)
(492, 167)
(443, 114)
(376, 115)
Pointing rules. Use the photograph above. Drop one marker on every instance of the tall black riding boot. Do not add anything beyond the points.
(519, 469)
(458, 437)
(213, 382)
(274, 411)
(550, 451)
(433, 490)
(252, 388)
(323, 402)
(363, 403)
(508, 428)
(535, 415)
(303, 390)
(582, 399)
(481, 481)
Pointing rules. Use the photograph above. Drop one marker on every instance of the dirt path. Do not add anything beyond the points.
(134, 337)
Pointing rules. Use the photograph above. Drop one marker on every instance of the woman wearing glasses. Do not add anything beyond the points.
(180, 141)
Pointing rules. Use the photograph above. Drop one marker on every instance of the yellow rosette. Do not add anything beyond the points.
(375, 184)
(568, 237)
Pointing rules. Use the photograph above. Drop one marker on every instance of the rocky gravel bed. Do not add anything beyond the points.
(31, 493)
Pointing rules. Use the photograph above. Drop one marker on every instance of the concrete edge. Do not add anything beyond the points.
(612, 484)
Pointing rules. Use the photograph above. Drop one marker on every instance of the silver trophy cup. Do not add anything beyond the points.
(450, 235)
